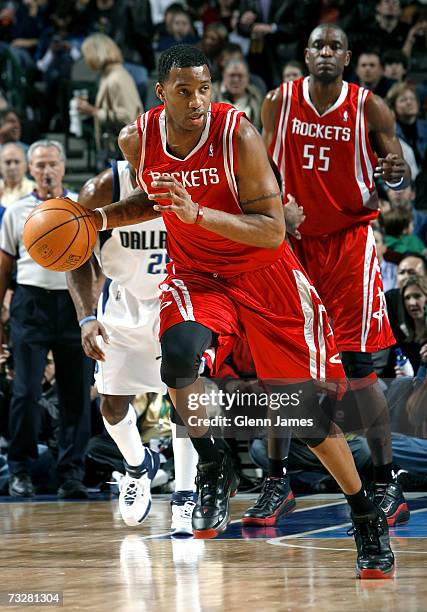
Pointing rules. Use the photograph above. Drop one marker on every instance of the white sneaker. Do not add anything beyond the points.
(135, 495)
(182, 503)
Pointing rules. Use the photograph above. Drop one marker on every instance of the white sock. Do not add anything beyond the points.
(186, 459)
(126, 435)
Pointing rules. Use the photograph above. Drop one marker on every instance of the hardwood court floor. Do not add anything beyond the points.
(84, 550)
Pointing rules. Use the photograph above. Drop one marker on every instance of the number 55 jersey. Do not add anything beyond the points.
(326, 161)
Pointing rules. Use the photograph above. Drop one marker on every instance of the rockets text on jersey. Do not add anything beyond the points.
(209, 174)
(326, 161)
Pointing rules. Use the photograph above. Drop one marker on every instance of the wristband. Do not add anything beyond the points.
(104, 218)
(200, 215)
(394, 185)
(87, 319)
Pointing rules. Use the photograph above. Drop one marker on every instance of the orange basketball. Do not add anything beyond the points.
(60, 234)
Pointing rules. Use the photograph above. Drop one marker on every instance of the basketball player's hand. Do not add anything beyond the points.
(90, 331)
(391, 168)
(294, 216)
(181, 203)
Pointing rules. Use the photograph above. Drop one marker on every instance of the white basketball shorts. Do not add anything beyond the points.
(132, 357)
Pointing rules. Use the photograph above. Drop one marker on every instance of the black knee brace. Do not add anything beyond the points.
(183, 346)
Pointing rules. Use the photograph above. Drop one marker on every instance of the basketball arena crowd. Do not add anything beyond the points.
(64, 68)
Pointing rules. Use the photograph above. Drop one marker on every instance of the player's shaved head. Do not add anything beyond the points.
(320, 30)
(327, 54)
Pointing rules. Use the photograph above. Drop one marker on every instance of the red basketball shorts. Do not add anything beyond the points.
(345, 271)
(275, 308)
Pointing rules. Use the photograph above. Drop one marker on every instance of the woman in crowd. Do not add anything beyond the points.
(117, 100)
(413, 321)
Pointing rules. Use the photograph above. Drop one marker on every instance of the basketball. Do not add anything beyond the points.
(60, 234)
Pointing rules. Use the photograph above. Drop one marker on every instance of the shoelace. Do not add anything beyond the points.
(268, 486)
(370, 534)
(205, 485)
(132, 488)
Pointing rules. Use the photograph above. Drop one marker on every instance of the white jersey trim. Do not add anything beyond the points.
(199, 145)
(280, 144)
(227, 150)
(143, 127)
(358, 147)
(338, 102)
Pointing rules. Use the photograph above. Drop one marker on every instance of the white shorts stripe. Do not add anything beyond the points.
(304, 292)
(369, 272)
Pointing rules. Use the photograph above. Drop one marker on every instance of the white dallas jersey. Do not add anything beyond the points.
(134, 256)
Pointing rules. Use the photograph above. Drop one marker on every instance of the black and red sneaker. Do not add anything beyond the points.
(276, 500)
(389, 497)
(216, 483)
(375, 559)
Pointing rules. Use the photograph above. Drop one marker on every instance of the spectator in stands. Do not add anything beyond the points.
(117, 100)
(233, 51)
(410, 128)
(406, 197)
(42, 317)
(10, 127)
(228, 13)
(7, 16)
(411, 264)
(164, 27)
(388, 268)
(29, 22)
(292, 71)
(129, 24)
(235, 89)
(414, 326)
(398, 226)
(268, 23)
(370, 73)
(182, 31)
(415, 45)
(214, 39)
(14, 184)
(395, 64)
(56, 52)
(386, 31)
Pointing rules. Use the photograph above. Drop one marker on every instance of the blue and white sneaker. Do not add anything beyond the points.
(135, 494)
(182, 503)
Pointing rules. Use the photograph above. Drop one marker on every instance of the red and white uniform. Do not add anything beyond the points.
(231, 288)
(327, 163)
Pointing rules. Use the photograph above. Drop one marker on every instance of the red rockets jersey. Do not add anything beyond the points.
(326, 161)
(208, 173)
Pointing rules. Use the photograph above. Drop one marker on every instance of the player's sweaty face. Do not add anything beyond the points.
(326, 54)
(187, 95)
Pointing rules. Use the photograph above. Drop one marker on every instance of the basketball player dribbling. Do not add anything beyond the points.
(321, 132)
(232, 274)
(123, 339)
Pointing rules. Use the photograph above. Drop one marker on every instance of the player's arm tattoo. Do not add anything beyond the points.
(266, 196)
(135, 208)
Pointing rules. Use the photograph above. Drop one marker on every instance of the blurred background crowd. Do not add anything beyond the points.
(76, 71)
